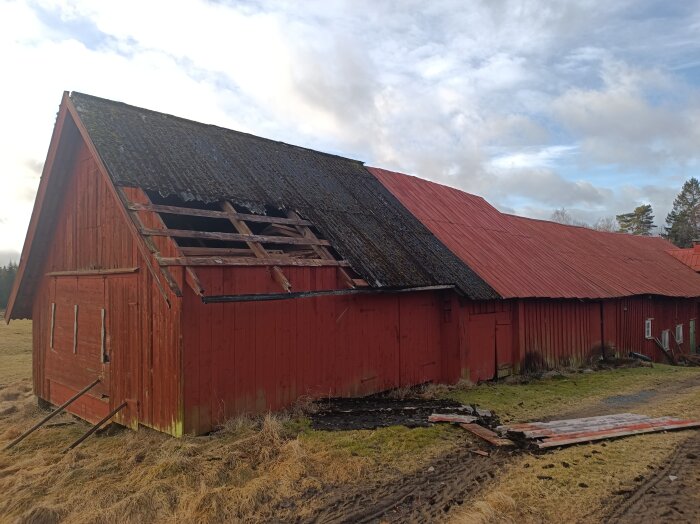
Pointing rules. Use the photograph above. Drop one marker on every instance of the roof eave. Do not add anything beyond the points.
(37, 210)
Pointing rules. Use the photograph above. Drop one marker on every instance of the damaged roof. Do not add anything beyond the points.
(365, 223)
(522, 257)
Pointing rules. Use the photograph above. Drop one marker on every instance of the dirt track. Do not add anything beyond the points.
(424, 496)
(669, 494)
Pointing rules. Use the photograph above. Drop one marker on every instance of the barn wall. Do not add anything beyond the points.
(624, 323)
(563, 332)
(252, 357)
(90, 233)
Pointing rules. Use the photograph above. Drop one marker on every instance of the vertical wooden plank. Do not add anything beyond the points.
(75, 328)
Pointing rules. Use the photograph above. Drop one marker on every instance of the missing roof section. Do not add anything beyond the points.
(221, 234)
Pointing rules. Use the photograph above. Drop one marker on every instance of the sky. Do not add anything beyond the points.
(536, 105)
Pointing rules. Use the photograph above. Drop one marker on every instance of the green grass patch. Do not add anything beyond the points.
(546, 397)
(394, 443)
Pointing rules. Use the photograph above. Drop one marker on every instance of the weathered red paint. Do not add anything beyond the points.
(522, 257)
(185, 366)
(259, 356)
(88, 233)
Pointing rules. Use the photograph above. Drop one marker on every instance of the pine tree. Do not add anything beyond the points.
(7, 277)
(638, 222)
(683, 222)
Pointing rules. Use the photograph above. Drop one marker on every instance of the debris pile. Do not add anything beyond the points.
(543, 435)
(376, 411)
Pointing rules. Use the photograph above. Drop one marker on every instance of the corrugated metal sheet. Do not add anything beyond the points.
(522, 257)
(690, 257)
(364, 222)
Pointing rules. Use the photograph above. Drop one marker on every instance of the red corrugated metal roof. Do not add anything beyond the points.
(522, 257)
(690, 257)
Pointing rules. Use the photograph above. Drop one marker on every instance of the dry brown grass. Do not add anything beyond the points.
(243, 472)
(253, 469)
(15, 350)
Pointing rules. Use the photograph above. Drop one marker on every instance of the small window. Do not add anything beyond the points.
(679, 333)
(647, 328)
(664, 339)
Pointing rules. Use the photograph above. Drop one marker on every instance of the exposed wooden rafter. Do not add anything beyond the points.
(322, 252)
(249, 261)
(298, 245)
(234, 237)
(255, 246)
(189, 211)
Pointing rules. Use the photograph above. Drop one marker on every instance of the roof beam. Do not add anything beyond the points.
(321, 251)
(255, 247)
(234, 237)
(209, 213)
(249, 261)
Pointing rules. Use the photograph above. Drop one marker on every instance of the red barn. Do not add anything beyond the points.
(200, 272)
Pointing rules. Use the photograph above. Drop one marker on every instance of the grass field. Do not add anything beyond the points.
(15, 349)
(276, 467)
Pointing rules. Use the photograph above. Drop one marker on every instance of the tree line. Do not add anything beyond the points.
(682, 223)
(7, 277)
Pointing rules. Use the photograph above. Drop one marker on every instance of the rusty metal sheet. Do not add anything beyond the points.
(573, 431)
(525, 258)
(690, 257)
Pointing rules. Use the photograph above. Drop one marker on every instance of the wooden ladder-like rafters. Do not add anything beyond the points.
(304, 247)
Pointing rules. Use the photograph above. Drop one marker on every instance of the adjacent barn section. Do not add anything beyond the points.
(190, 273)
(567, 292)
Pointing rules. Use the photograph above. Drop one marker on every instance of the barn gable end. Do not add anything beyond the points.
(94, 302)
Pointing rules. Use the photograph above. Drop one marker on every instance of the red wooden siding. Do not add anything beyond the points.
(564, 332)
(259, 356)
(625, 324)
(141, 331)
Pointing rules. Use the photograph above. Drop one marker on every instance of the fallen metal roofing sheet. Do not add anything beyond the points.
(522, 257)
(575, 431)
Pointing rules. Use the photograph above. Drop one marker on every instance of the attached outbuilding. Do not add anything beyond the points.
(199, 273)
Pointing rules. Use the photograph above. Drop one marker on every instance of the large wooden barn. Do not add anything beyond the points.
(199, 273)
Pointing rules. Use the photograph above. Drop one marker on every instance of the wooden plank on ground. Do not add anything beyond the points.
(451, 417)
(487, 435)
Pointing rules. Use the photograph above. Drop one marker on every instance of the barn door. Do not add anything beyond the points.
(76, 344)
(122, 342)
(481, 347)
(419, 336)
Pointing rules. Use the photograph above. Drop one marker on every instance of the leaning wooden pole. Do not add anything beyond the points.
(51, 415)
(96, 426)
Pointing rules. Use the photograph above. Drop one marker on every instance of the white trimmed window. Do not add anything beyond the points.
(679, 333)
(664, 339)
(647, 328)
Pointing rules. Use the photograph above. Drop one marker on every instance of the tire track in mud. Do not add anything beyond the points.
(670, 494)
(425, 495)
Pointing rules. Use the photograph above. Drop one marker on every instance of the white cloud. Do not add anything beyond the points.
(497, 98)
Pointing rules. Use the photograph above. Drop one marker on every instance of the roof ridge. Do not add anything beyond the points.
(204, 124)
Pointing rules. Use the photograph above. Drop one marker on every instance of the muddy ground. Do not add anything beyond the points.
(382, 411)
(667, 494)
(434, 493)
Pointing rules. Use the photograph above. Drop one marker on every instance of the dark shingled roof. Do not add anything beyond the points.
(365, 223)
